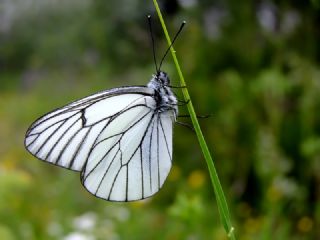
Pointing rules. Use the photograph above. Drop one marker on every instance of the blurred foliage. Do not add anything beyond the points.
(253, 65)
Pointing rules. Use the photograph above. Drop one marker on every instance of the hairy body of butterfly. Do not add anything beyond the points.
(120, 139)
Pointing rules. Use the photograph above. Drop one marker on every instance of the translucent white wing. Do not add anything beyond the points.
(137, 161)
(116, 138)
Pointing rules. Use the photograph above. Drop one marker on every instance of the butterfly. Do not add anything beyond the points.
(119, 139)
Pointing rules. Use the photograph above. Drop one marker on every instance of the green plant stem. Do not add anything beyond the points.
(221, 200)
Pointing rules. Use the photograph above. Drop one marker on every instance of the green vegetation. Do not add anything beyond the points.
(254, 67)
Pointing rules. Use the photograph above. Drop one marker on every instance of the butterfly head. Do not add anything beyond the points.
(159, 80)
(162, 78)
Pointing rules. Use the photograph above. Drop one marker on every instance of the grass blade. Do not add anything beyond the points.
(221, 200)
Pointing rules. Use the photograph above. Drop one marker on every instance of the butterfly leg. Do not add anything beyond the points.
(187, 125)
(178, 86)
(198, 116)
(182, 102)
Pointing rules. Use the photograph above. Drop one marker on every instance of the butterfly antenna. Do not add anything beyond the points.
(174, 39)
(152, 41)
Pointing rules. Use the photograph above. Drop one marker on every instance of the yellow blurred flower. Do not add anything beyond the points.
(305, 224)
(8, 161)
(252, 225)
(196, 179)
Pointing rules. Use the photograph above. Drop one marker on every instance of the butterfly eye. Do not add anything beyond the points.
(163, 78)
(166, 80)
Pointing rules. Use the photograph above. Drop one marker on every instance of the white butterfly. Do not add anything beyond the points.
(120, 139)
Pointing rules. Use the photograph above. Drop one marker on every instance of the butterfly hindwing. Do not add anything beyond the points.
(134, 167)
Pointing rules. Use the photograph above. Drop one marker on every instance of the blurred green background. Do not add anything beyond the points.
(253, 65)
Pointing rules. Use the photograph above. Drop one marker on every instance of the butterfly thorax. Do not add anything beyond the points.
(165, 98)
